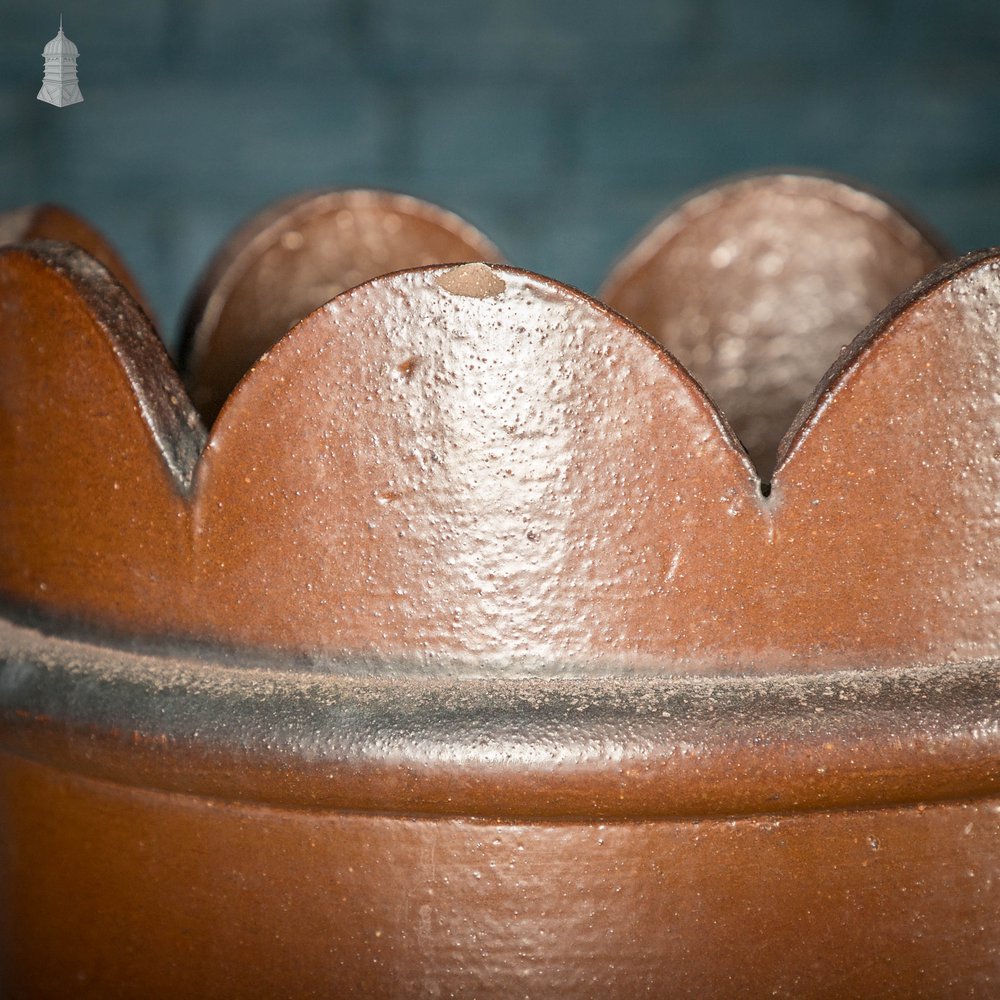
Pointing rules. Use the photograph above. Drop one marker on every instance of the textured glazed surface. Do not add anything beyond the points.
(756, 285)
(508, 478)
(293, 257)
(441, 482)
(191, 827)
(165, 895)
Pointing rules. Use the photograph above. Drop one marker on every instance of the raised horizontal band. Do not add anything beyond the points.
(615, 746)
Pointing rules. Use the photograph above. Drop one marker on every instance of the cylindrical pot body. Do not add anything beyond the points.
(189, 827)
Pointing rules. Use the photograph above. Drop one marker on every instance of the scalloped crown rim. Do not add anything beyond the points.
(180, 433)
(167, 410)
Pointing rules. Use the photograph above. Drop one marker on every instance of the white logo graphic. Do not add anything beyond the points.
(59, 86)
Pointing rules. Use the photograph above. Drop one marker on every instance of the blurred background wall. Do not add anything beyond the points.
(560, 127)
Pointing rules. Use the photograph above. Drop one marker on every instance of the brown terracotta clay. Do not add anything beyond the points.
(466, 655)
(293, 257)
(756, 285)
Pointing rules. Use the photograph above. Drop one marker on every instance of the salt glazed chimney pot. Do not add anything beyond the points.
(469, 653)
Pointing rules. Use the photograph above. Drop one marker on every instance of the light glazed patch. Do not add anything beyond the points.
(475, 280)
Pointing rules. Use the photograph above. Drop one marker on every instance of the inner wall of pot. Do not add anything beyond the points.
(757, 286)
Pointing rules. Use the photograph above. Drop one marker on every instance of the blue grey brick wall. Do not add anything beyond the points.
(560, 127)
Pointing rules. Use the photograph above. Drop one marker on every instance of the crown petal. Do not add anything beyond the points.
(293, 257)
(97, 442)
(464, 460)
(756, 284)
(888, 487)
